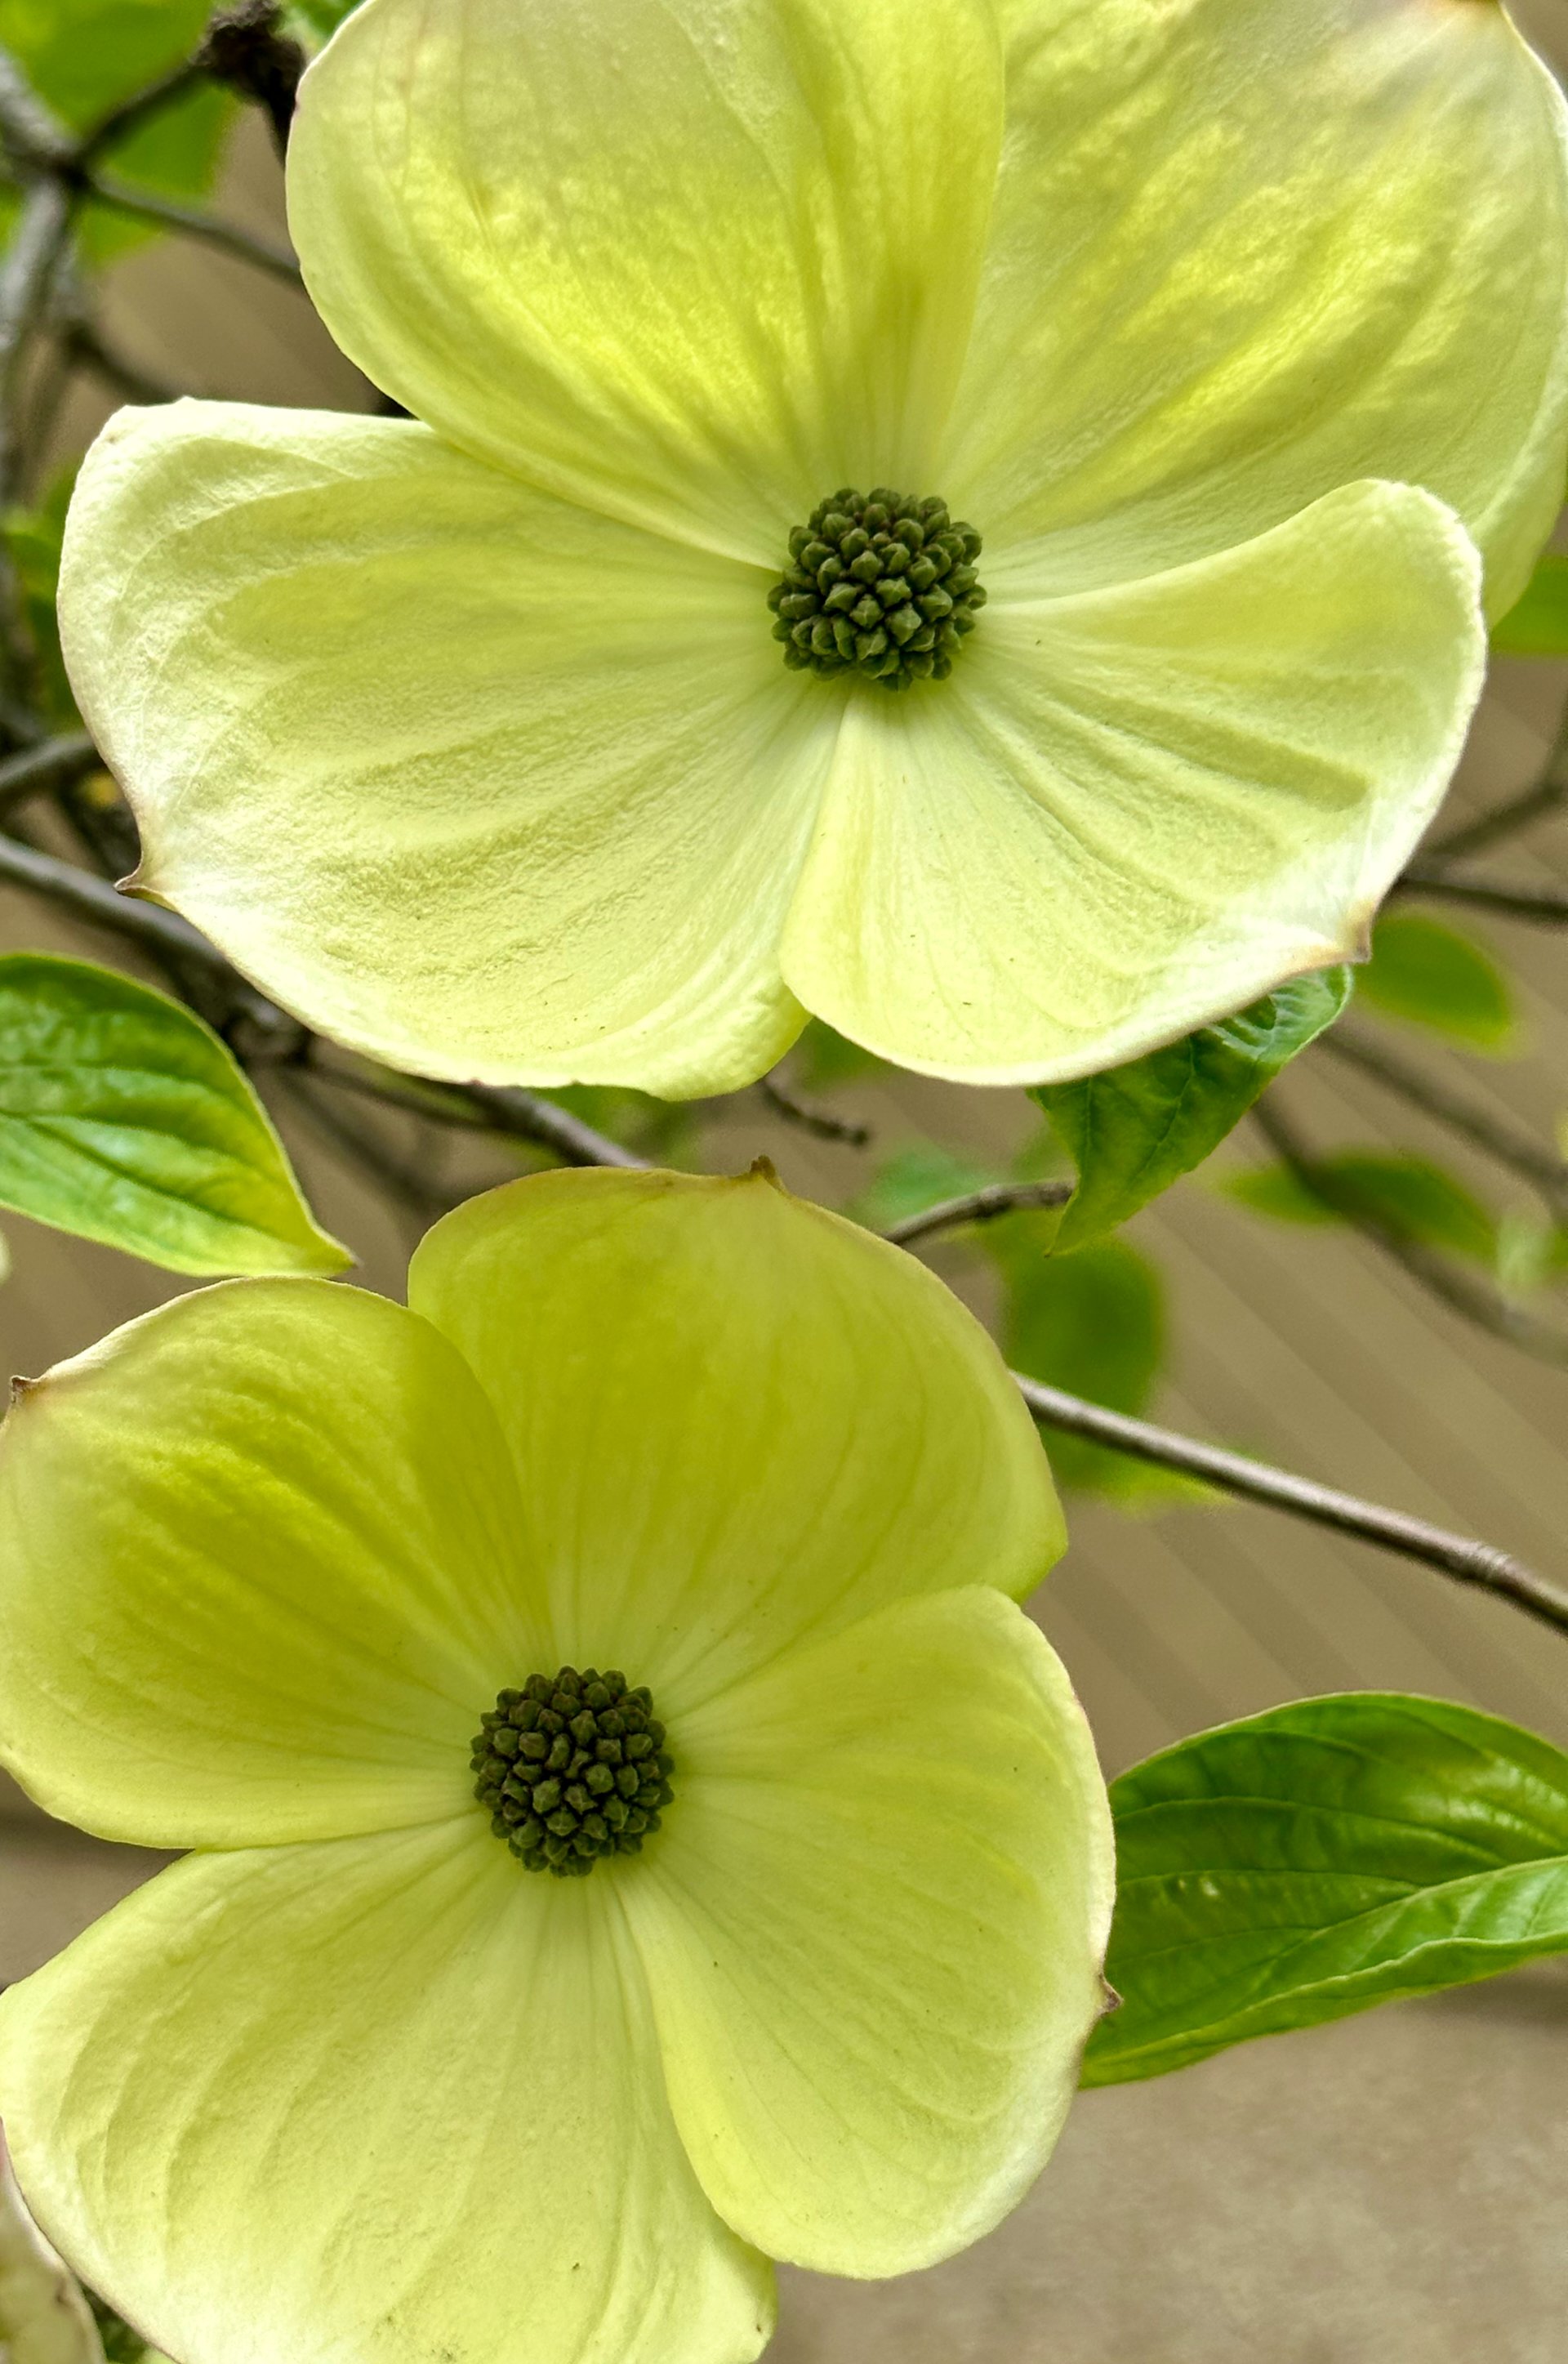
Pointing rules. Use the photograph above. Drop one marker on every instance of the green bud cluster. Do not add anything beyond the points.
(572, 1767)
(878, 585)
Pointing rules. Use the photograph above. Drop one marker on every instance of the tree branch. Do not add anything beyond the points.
(85, 349)
(53, 763)
(148, 924)
(31, 134)
(1511, 1145)
(977, 1206)
(1477, 1563)
(1472, 1302)
(820, 1122)
(503, 1110)
(244, 245)
(525, 1116)
(1543, 795)
(1548, 907)
(381, 1164)
(133, 111)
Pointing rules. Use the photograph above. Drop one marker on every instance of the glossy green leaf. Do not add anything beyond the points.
(1408, 1196)
(1323, 1857)
(1426, 972)
(124, 1118)
(1537, 624)
(1095, 1325)
(83, 57)
(1136, 1128)
(915, 1178)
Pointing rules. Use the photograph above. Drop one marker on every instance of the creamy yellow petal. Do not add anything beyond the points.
(695, 262)
(257, 1573)
(1134, 811)
(874, 1922)
(394, 2099)
(477, 782)
(738, 1420)
(1246, 250)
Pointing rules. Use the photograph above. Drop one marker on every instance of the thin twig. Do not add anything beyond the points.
(820, 1122)
(93, 898)
(140, 107)
(526, 1116)
(1543, 795)
(1546, 906)
(1510, 1144)
(529, 1118)
(978, 1207)
(228, 237)
(373, 1158)
(53, 764)
(37, 244)
(1468, 1561)
(85, 348)
(1476, 1303)
(504, 1110)
(31, 134)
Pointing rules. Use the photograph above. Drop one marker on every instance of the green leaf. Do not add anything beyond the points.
(1408, 1196)
(1426, 972)
(322, 17)
(915, 1178)
(822, 1060)
(83, 57)
(1321, 1858)
(1537, 624)
(1094, 1324)
(33, 537)
(655, 1128)
(124, 1118)
(1135, 1129)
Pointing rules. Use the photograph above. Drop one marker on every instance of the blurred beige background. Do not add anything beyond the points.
(1389, 2189)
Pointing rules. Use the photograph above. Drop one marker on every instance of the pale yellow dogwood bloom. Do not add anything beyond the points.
(1230, 326)
(354, 2082)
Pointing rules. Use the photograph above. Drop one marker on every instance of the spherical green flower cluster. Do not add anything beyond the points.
(572, 1767)
(879, 585)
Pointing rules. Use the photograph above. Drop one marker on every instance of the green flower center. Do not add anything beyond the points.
(878, 585)
(571, 1768)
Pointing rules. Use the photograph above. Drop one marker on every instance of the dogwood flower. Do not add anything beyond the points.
(668, 1539)
(1198, 338)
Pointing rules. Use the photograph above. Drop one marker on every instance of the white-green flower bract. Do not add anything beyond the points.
(1231, 324)
(350, 2084)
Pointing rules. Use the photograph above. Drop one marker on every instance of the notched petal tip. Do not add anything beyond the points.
(139, 884)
